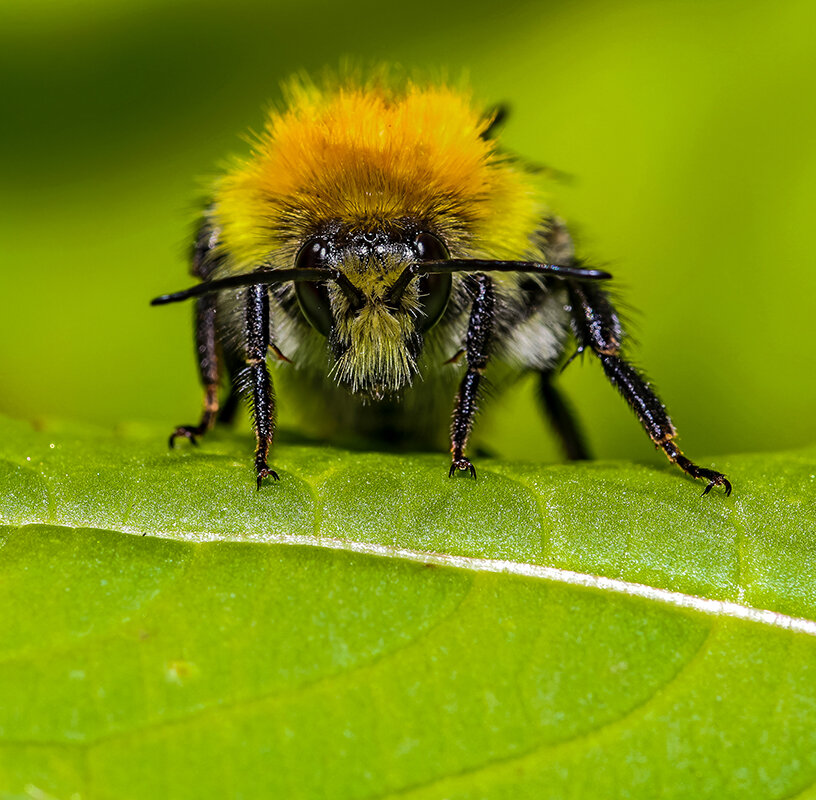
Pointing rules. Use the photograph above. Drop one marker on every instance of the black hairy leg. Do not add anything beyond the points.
(655, 419)
(208, 365)
(477, 345)
(562, 418)
(202, 265)
(597, 327)
(255, 380)
(233, 367)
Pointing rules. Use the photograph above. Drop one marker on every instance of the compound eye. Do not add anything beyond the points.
(434, 294)
(434, 289)
(429, 248)
(312, 297)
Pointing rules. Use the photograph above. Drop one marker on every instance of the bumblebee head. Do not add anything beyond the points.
(378, 305)
(374, 294)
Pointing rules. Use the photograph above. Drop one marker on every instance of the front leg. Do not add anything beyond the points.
(597, 328)
(255, 379)
(477, 346)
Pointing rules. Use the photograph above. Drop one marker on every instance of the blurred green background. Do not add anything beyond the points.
(690, 129)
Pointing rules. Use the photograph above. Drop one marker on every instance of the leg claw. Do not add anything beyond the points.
(188, 432)
(716, 479)
(463, 464)
(265, 472)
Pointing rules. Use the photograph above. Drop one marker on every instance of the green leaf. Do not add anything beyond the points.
(369, 628)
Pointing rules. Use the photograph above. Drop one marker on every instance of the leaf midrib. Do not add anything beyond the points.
(681, 600)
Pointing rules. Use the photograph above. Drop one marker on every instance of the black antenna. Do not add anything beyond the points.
(261, 277)
(271, 277)
(485, 265)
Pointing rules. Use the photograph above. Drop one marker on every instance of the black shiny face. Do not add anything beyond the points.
(407, 248)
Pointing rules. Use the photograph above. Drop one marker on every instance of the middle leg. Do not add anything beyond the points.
(208, 367)
(597, 327)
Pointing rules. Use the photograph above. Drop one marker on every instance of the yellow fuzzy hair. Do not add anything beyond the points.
(370, 154)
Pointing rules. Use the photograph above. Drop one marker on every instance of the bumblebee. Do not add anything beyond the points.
(380, 250)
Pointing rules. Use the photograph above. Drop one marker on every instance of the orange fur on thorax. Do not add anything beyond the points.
(369, 155)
